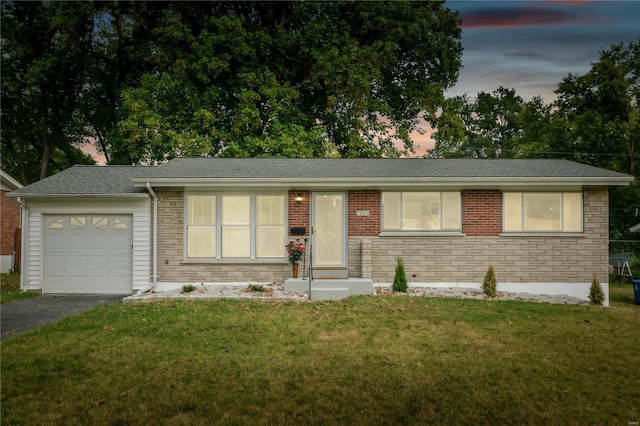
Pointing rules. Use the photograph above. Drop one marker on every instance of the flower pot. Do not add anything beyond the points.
(294, 272)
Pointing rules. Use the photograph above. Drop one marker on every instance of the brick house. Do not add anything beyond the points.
(9, 223)
(542, 224)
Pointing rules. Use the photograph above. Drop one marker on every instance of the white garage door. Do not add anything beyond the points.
(88, 254)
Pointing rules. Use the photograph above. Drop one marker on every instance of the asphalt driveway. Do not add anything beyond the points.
(23, 315)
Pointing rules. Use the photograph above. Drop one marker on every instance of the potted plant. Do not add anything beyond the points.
(295, 252)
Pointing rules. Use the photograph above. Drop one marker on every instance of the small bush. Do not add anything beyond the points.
(257, 287)
(596, 294)
(400, 279)
(489, 283)
(188, 288)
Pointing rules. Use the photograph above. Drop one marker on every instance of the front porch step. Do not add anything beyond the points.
(323, 274)
(331, 289)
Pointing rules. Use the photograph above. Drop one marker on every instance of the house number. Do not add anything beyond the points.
(362, 212)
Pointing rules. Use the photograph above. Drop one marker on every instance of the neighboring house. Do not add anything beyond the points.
(10, 224)
(635, 228)
(542, 224)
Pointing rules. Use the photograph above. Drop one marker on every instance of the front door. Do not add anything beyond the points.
(328, 221)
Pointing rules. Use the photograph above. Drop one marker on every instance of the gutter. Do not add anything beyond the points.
(154, 231)
(24, 219)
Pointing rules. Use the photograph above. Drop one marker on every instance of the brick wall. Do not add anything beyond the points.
(364, 200)
(515, 259)
(481, 213)
(10, 221)
(299, 210)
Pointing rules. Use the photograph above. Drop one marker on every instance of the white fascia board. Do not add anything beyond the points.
(404, 182)
(635, 228)
(10, 182)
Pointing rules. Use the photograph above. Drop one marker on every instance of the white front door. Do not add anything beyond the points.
(329, 221)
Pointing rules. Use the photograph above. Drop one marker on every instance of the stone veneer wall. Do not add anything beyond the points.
(171, 264)
(514, 258)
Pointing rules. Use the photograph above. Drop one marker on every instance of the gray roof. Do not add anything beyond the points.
(129, 180)
(88, 181)
(319, 168)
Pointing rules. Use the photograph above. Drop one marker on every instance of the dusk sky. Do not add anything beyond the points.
(532, 45)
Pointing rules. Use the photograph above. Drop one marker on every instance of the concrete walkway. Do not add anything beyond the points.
(23, 315)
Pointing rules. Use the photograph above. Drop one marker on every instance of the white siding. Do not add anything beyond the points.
(139, 207)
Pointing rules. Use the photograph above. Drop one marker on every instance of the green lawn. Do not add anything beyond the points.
(10, 288)
(365, 360)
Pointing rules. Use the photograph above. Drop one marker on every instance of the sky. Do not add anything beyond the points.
(532, 45)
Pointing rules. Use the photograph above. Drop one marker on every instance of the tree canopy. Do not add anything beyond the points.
(150, 81)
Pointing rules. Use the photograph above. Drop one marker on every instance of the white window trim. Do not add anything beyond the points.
(422, 232)
(534, 233)
(253, 225)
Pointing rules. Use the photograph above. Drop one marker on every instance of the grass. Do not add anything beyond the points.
(365, 360)
(10, 288)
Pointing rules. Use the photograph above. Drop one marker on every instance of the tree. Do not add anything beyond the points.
(496, 125)
(288, 79)
(602, 109)
(45, 49)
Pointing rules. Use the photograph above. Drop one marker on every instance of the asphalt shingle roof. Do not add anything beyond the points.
(318, 168)
(89, 180)
(118, 180)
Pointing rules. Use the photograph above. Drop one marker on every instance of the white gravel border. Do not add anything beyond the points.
(275, 292)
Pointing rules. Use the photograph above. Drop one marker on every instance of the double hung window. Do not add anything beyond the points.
(235, 226)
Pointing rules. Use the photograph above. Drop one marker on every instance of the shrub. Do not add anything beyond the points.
(188, 288)
(257, 288)
(489, 283)
(596, 294)
(400, 279)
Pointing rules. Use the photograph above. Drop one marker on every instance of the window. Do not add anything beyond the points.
(542, 212)
(421, 211)
(246, 226)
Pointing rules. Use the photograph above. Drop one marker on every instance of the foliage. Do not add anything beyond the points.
(443, 361)
(45, 47)
(10, 288)
(188, 288)
(489, 282)
(635, 268)
(295, 251)
(257, 288)
(149, 81)
(596, 294)
(400, 279)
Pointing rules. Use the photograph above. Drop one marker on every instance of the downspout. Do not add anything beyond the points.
(24, 223)
(154, 231)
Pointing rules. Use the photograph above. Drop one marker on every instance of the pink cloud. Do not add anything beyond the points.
(520, 18)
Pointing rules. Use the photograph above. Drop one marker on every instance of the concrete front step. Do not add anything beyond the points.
(331, 289)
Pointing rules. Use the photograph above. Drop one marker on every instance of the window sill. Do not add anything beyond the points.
(234, 261)
(543, 234)
(421, 234)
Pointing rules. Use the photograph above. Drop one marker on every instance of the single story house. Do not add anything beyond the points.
(542, 224)
(9, 224)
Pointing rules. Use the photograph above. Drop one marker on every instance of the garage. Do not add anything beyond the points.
(88, 253)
